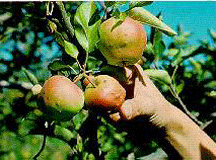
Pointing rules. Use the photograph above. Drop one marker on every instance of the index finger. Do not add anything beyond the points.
(143, 84)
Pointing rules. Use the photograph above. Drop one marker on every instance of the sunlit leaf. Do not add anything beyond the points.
(63, 132)
(211, 85)
(212, 94)
(52, 26)
(144, 16)
(5, 16)
(172, 52)
(159, 75)
(59, 38)
(82, 37)
(139, 3)
(84, 13)
(86, 35)
(197, 66)
(32, 78)
(79, 143)
(180, 87)
(93, 35)
(71, 49)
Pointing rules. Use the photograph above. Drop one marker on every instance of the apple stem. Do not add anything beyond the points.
(89, 80)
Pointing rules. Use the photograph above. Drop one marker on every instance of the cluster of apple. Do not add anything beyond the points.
(121, 45)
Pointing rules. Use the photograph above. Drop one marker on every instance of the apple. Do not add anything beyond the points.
(62, 98)
(122, 44)
(106, 93)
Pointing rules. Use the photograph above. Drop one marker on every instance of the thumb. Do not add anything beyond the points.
(130, 109)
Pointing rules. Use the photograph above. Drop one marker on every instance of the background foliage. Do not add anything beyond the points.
(37, 40)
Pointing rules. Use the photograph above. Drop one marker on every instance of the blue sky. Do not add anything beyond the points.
(196, 17)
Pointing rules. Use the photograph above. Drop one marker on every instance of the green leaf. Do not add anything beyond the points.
(139, 3)
(158, 44)
(180, 87)
(114, 71)
(81, 37)
(86, 35)
(149, 48)
(71, 49)
(79, 143)
(142, 15)
(59, 38)
(30, 76)
(52, 26)
(159, 75)
(79, 118)
(114, 3)
(197, 66)
(93, 63)
(5, 16)
(84, 13)
(212, 94)
(63, 132)
(173, 51)
(93, 37)
(211, 85)
(57, 65)
(121, 19)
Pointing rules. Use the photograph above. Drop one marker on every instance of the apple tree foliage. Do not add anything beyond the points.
(40, 39)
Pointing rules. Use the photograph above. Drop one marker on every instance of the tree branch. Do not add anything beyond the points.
(184, 107)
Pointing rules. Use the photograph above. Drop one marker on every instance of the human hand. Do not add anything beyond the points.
(145, 99)
(182, 133)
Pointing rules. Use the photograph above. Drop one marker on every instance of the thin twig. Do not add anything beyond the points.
(86, 60)
(72, 69)
(49, 10)
(81, 68)
(174, 72)
(89, 80)
(185, 108)
(206, 124)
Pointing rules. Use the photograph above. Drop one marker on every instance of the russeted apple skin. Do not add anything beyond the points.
(122, 44)
(62, 98)
(107, 93)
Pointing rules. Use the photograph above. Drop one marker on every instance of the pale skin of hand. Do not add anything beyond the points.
(181, 132)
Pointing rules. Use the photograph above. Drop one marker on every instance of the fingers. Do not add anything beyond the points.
(142, 95)
(132, 108)
(149, 87)
(142, 76)
(115, 117)
(127, 111)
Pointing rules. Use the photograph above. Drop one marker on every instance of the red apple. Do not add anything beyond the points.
(124, 43)
(107, 93)
(62, 98)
